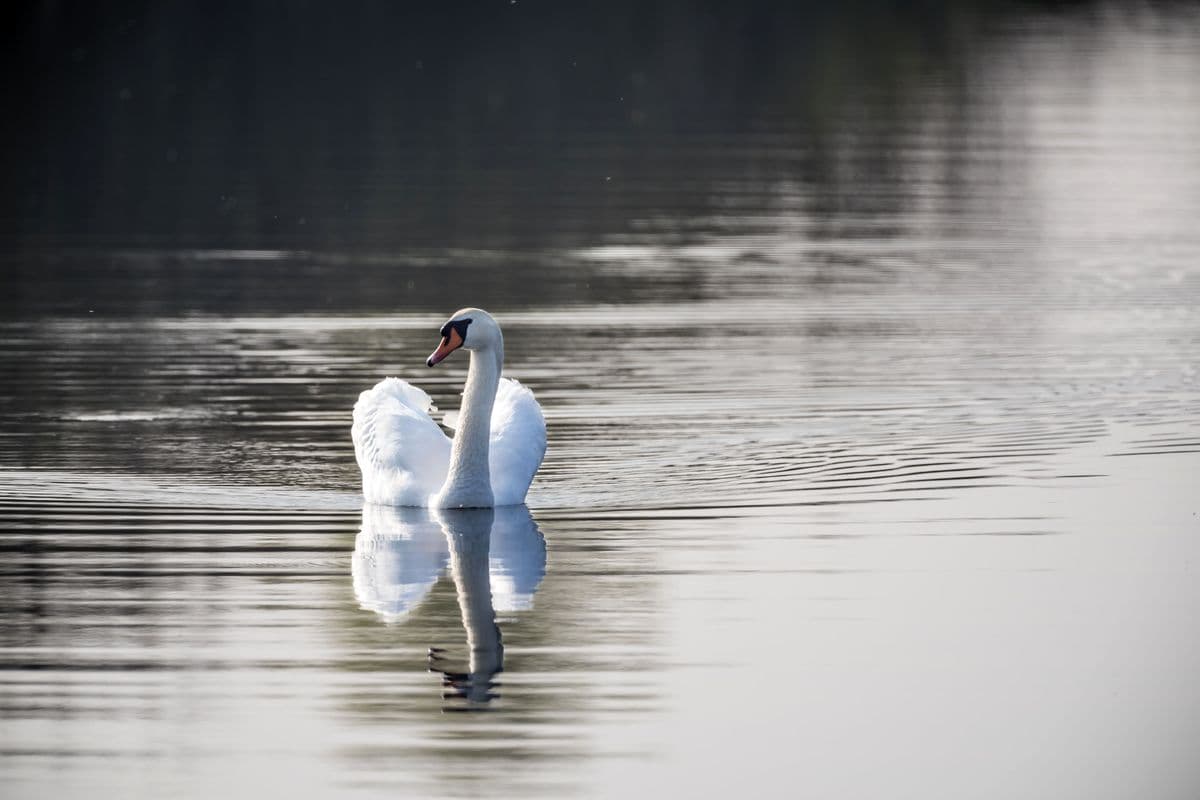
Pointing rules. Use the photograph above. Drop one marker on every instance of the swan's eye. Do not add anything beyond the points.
(459, 325)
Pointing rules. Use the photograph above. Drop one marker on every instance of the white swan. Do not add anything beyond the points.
(498, 444)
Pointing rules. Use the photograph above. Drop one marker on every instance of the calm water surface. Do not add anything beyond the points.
(872, 472)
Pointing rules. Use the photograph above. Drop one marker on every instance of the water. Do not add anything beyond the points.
(874, 434)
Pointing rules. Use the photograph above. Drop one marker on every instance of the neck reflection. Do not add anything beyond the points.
(468, 534)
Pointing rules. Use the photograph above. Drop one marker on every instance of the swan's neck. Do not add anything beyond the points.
(468, 481)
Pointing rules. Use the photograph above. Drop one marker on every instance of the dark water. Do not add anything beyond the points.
(867, 345)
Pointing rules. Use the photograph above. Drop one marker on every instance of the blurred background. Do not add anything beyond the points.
(501, 124)
(518, 131)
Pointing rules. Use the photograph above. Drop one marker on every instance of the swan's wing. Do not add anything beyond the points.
(398, 556)
(518, 442)
(401, 451)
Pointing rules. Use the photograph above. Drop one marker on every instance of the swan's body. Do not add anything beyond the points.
(497, 448)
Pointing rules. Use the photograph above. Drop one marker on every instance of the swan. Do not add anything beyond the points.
(499, 441)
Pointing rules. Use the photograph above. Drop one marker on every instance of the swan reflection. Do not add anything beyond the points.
(398, 556)
(497, 559)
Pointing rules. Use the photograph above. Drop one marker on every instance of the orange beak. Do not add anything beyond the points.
(450, 342)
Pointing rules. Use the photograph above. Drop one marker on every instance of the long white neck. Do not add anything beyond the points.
(468, 481)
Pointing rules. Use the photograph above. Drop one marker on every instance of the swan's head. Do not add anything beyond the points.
(472, 328)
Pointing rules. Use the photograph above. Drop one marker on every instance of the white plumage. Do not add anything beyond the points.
(405, 457)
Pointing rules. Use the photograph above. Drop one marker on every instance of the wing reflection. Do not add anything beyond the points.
(517, 559)
(497, 560)
(398, 556)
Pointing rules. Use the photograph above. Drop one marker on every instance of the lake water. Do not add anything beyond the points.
(873, 413)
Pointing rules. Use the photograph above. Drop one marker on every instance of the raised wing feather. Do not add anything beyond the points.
(518, 442)
(401, 451)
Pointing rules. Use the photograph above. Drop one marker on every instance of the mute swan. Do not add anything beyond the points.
(498, 444)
